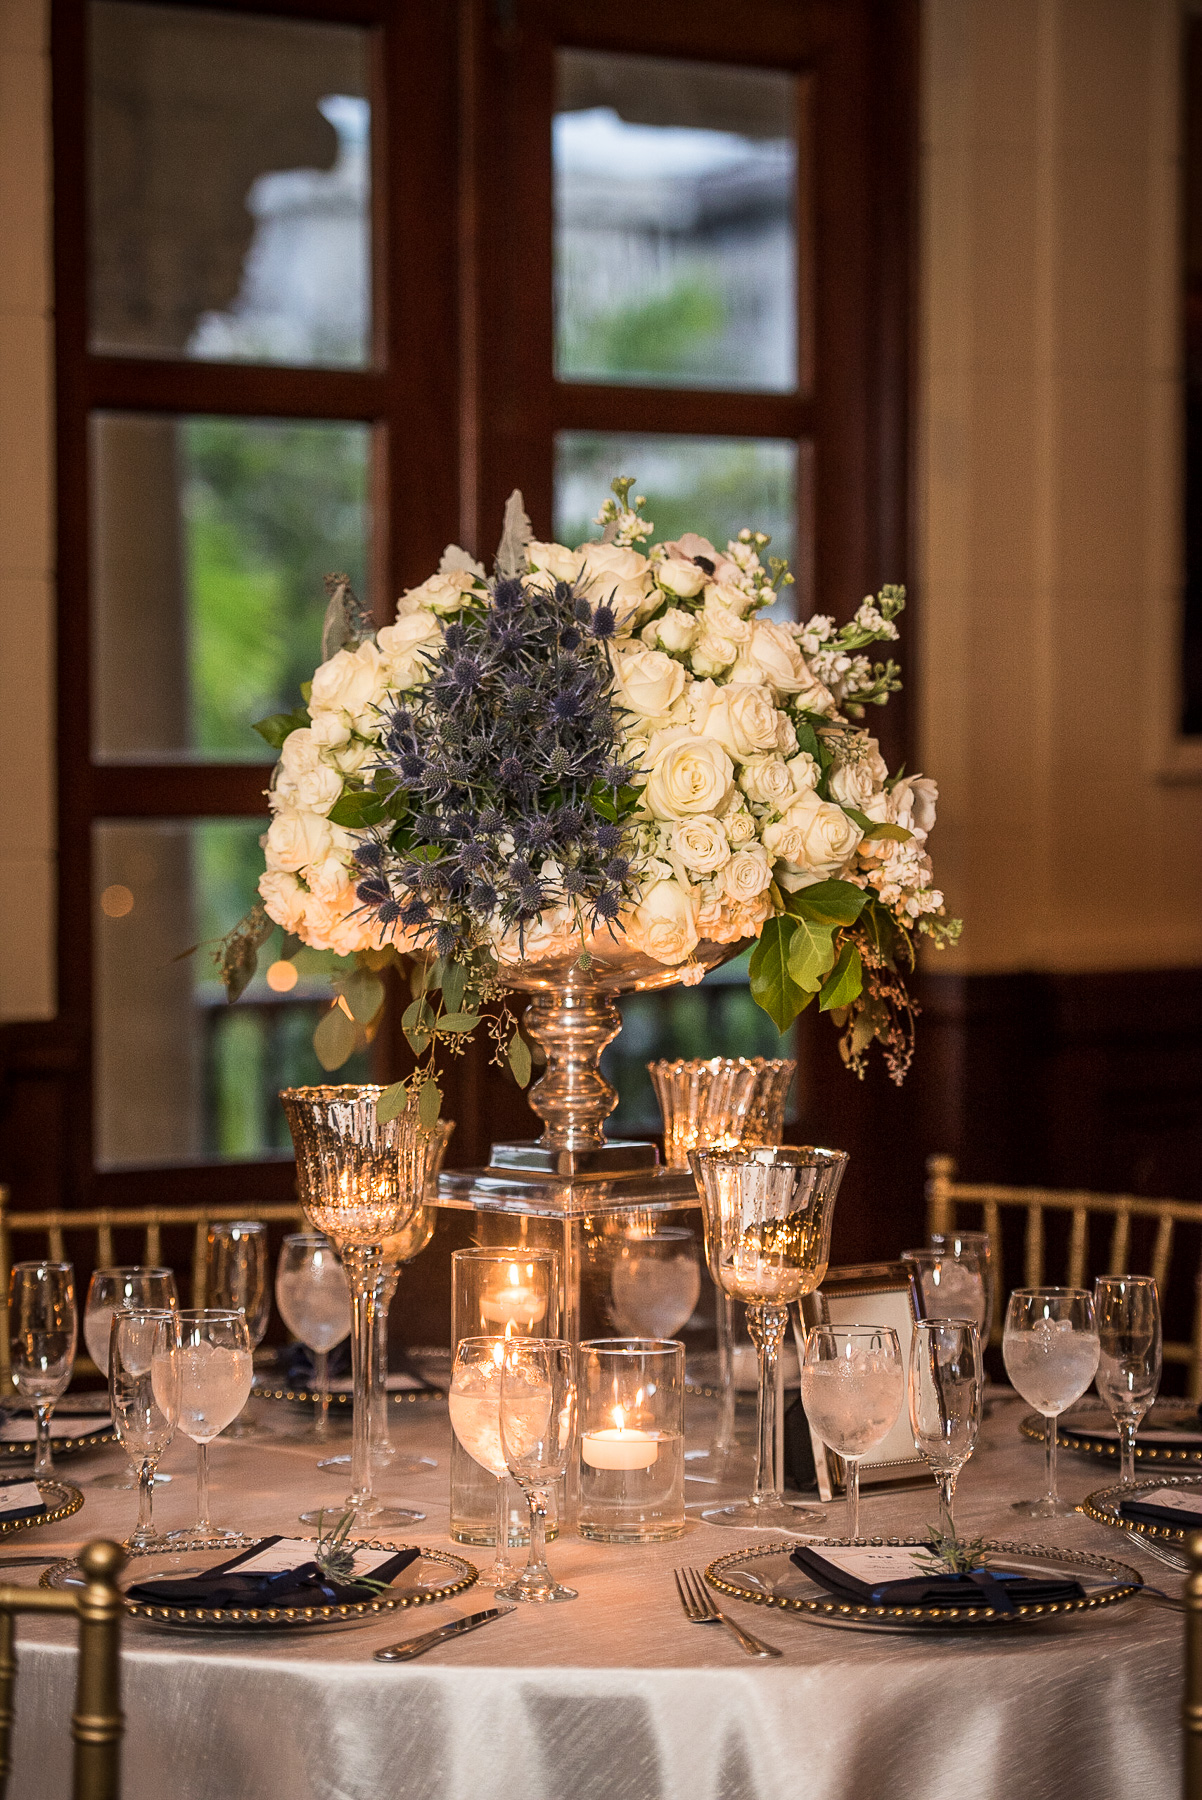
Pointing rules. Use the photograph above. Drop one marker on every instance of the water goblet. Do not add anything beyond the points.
(1127, 1312)
(236, 1278)
(143, 1368)
(109, 1291)
(538, 1430)
(474, 1401)
(951, 1284)
(1050, 1349)
(42, 1326)
(945, 1389)
(213, 1358)
(956, 1242)
(315, 1305)
(768, 1218)
(852, 1387)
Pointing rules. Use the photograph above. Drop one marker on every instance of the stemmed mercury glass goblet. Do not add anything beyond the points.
(315, 1305)
(109, 1291)
(1050, 1349)
(474, 1401)
(538, 1431)
(768, 1219)
(42, 1327)
(1127, 1311)
(237, 1278)
(945, 1388)
(212, 1358)
(143, 1366)
(852, 1386)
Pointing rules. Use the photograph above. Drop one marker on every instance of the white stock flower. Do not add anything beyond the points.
(647, 682)
(676, 630)
(860, 771)
(401, 646)
(676, 576)
(690, 774)
(747, 874)
(742, 718)
(664, 923)
(701, 843)
(557, 560)
(284, 898)
(295, 840)
(814, 839)
(349, 682)
(766, 781)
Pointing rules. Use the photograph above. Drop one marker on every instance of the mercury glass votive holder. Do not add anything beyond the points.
(631, 1400)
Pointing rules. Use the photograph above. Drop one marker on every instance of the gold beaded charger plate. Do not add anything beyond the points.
(764, 1576)
(435, 1575)
(1170, 1436)
(1103, 1507)
(60, 1500)
(18, 1437)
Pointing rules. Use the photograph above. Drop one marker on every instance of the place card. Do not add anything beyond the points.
(1181, 1507)
(21, 1500)
(871, 1564)
(277, 1555)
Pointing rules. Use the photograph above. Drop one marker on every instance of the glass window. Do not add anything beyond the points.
(182, 1076)
(211, 537)
(675, 223)
(229, 174)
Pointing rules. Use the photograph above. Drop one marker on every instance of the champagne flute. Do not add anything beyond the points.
(315, 1305)
(143, 1366)
(474, 1401)
(945, 1390)
(109, 1292)
(852, 1386)
(538, 1429)
(215, 1372)
(42, 1324)
(1050, 1349)
(1127, 1310)
(236, 1278)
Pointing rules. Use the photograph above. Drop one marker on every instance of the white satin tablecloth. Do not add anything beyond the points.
(615, 1696)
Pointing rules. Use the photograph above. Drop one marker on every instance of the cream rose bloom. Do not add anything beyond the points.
(676, 576)
(303, 779)
(664, 924)
(803, 771)
(912, 804)
(743, 719)
(648, 682)
(349, 682)
(619, 577)
(401, 646)
(723, 635)
(284, 898)
(773, 655)
(813, 840)
(739, 825)
(441, 593)
(701, 843)
(766, 781)
(297, 840)
(330, 731)
(690, 774)
(676, 630)
(747, 874)
(556, 560)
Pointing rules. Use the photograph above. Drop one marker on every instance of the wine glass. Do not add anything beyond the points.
(143, 1367)
(951, 1283)
(1050, 1349)
(42, 1324)
(215, 1372)
(1127, 1311)
(236, 1278)
(767, 1237)
(474, 1400)
(538, 1428)
(315, 1305)
(852, 1386)
(109, 1291)
(945, 1389)
(980, 1243)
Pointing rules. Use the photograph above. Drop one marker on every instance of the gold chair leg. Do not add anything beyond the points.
(97, 1723)
(1191, 1711)
(8, 1675)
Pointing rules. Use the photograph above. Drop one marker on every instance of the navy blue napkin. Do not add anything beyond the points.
(305, 1585)
(1001, 1589)
(1147, 1512)
(19, 1512)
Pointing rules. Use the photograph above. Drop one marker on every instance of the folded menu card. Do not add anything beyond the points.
(278, 1572)
(1181, 1507)
(887, 1575)
(21, 1500)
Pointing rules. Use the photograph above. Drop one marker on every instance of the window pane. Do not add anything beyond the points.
(181, 1076)
(229, 196)
(675, 223)
(210, 540)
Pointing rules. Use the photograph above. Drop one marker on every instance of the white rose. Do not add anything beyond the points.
(739, 826)
(442, 593)
(401, 646)
(786, 735)
(678, 577)
(700, 843)
(559, 562)
(295, 840)
(747, 874)
(648, 682)
(724, 593)
(766, 781)
(676, 630)
(773, 655)
(348, 683)
(804, 771)
(330, 731)
(328, 881)
(317, 788)
(664, 924)
(743, 719)
(851, 784)
(912, 804)
(351, 758)
(690, 775)
(814, 839)
(620, 578)
(722, 636)
(284, 898)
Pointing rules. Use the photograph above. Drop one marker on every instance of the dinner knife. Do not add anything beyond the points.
(417, 1646)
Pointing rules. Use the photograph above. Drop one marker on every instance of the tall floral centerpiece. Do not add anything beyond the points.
(591, 759)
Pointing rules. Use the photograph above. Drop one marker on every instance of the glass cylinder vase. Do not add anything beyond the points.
(631, 1440)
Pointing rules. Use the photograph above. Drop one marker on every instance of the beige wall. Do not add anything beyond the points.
(1070, 834)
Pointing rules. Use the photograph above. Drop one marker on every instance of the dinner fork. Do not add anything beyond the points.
(699, 1609)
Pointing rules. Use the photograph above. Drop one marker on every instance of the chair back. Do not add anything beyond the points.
(56, 1226)
(97, 1723)
(949, 1201)
(1191, 1706)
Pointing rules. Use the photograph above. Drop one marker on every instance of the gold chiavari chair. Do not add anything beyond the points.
(97, 1723)
(1191, 1706)
(947, 1198)
(56, 1226)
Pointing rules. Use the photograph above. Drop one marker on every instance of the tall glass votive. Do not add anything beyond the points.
(505, 1292)
(631, 1440)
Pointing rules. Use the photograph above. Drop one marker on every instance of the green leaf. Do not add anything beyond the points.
(334, 1039)
(772, 987)
(415, 1023)
(811, 953)
(844, 982)
(453, 983)
(392, 1102)
(357, 808)
(519, 1059)
(459, 1021)
(278, 726)
(364, 994)
(306, 688)
(828, 902)
(897, 833)
(429, 1104)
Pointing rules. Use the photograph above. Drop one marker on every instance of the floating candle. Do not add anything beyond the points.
(617, 1448)
(515, 1302)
